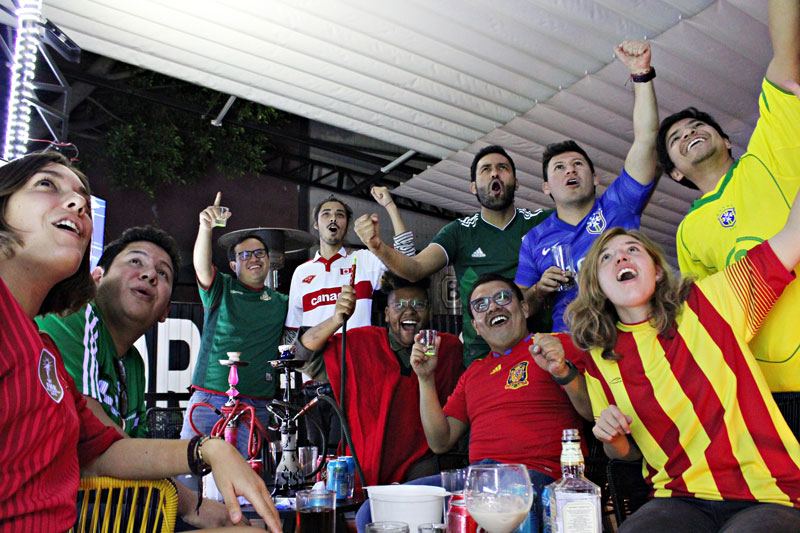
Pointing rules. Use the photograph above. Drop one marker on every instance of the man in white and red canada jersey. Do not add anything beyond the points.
(316, 284)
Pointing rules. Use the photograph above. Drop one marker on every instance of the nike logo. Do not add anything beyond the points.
(546, 251)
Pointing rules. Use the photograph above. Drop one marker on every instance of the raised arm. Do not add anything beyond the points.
(430, 260)
(784, 31)
(442, 432)
(641, 160)
(786, 243)
(201, 256)
(314, 339)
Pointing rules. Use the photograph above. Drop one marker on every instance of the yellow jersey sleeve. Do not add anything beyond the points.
(776, 138)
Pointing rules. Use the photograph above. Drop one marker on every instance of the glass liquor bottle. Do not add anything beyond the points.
(574, 500)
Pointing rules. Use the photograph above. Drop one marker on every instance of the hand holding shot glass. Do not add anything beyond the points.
(428, 341)
(219, 214)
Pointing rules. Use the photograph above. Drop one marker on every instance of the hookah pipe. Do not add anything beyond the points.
(232, 411)
(343, 362)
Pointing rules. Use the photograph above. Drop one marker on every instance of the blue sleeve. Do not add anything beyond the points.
(628, 194)
(528, 272)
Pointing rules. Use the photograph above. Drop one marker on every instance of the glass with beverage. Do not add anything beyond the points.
(562, 258)
(386, 527)
(316, 511)
(499, 496)
(429, 341)
(221, 216)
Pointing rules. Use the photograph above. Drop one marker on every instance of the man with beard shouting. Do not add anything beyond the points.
(487, 241)
(580, 216)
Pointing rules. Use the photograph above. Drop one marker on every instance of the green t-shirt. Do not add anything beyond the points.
(88, 352)
(242, 319)
(475, 247)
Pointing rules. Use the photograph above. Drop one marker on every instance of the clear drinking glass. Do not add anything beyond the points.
(308, 458)
(429, 341)
(562, 258)
(432, 528)
(498, 497)
(316, 511)
(386, 527)
(221, 218)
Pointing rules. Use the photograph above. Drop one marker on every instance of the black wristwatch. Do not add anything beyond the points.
(572, 374)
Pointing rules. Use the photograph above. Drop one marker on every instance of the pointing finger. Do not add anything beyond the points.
(218, 199)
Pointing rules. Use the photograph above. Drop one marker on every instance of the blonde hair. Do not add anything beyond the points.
(592, 318)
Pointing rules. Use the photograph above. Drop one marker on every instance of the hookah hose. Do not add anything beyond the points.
(231, 415)
(299, 413)
(343, 361)
(345, 434)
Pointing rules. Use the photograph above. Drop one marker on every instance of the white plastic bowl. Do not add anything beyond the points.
(412, 504)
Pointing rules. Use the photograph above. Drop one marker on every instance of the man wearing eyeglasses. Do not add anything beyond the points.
(382, 402)
(514, 410)
(241, 315)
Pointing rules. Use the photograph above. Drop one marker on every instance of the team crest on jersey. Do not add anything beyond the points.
(308, 279)
(265, 296)
(728, 217)
(48, 376)
(596, 223)
(345, 271)
(518, 376)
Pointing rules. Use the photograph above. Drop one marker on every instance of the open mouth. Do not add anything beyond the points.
(68, 225)
(694, 143)
(498, 320)
(572, 182)
(143, 293)
(408, 325)
(496, 187)
(333, 228)
(626, 274)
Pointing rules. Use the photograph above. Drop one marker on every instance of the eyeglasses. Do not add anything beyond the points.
(245, 255)
(418, 305)
(481, 305)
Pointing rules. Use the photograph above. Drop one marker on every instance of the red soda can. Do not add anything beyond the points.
(322, 475)
(458, 519)
(258, 466)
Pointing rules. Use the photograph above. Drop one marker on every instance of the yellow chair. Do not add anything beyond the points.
(109, 505)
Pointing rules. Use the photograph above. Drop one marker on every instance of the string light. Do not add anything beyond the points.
(23, 69)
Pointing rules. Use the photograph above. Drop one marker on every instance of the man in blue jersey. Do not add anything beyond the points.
(580, 216)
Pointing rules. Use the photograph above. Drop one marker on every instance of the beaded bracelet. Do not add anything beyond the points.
(194, 455)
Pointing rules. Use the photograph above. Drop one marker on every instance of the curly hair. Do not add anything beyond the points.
(71, 293)
(592, 318)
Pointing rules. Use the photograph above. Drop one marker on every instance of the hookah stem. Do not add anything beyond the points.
(343, 361)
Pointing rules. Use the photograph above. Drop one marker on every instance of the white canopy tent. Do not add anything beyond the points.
(447, 77)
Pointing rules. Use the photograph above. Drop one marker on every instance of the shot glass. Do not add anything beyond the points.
(429, 341)
(221, 219)
(562, 258)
